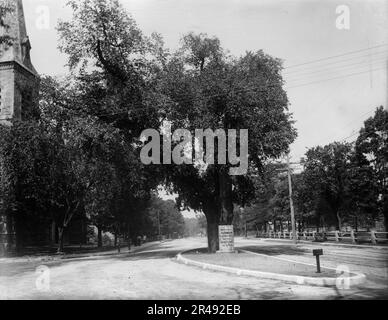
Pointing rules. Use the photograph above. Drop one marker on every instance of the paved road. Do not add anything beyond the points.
(153, 273)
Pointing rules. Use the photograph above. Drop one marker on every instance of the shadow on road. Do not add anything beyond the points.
(154, 251)
(275, 250)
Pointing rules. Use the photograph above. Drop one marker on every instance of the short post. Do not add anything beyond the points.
(305, 235)
(353, 236)
(290, 235)
(297, 235)
(317, 253)
(336, 236)
(284, 234)
(373, 237)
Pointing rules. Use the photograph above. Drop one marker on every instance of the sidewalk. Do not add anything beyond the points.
(335, 244)
(75, 256)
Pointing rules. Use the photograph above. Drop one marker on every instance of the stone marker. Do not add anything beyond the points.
(226, 238)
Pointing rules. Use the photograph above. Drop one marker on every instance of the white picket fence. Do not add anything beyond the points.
(336, 236)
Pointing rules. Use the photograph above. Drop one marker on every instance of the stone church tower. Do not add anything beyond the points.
(19, 81)
(19, 89)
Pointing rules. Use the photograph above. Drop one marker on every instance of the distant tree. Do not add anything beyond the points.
(195, 226)
(363, 193)
(304, 204)
(372, 157)
(165, 215)
(327, 176)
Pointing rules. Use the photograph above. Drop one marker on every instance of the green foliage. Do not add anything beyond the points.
(210, 89)
(341, 183)
(117, 65)
(372, 156)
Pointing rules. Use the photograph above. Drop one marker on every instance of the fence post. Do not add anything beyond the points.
(353, 236)
(373, 237)
(290, 235)
(304, 235)
(336, 236)
(297, 235)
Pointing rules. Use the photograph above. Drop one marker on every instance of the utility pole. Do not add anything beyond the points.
(160, 236)
(244, 219)
(386, 94)
(291, 202)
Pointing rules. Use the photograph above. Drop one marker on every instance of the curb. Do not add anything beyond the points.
(357, 279)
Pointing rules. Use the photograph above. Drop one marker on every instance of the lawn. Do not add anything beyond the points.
(250, 261)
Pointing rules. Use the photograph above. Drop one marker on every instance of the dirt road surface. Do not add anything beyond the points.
(153, 273)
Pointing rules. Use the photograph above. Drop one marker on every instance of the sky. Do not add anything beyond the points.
(329, 99)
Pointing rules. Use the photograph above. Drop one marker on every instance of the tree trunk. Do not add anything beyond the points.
(212, 235)
(386, 223)
(385, 212)
(356, 223)
(226, 203)
(339, 226)
(129, 239)
(99, 237)
(212, 219)
(60, 239)
(15, 231)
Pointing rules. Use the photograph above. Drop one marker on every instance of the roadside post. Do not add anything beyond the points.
(317, 253)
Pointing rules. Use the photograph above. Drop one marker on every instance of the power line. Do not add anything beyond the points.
(336, 56)
(354, 120)
(236, 91)
(340, 77)
(352, 135)
(250, 89)
(342, 139)
(339, 69)
(336, 62)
